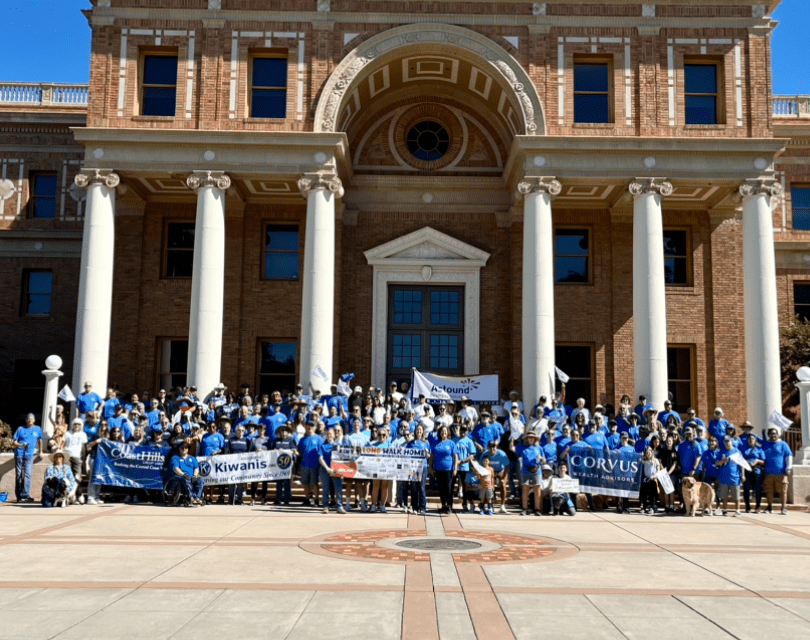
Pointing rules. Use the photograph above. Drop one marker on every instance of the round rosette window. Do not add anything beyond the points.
(428, 141)
(428, 137)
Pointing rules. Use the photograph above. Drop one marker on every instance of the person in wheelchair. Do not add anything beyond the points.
(184, 482)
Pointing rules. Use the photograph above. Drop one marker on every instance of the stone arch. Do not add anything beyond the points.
(425, 38)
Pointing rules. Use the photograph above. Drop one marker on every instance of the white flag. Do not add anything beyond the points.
(343, 388)
(738, 458)
(778, 420)
(561, 375)
(318, 372)
(66, 394)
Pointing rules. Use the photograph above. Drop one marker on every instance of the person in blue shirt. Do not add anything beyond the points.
(333, 418)
(417, 487)
(623, 504)
(778, 464)
(732, 475)
(380, 488)
(691, 416)
(329, 478)
(623, 420)
(499, 462)
(284, 442)
(689, 453)
(466, 452)
(556, 412)
(154, 413)
(88, 401)
(309, 448)
(718, 424)
(27, 444)
(110, 403)
(549, 449)
(613, 437)
(444, 467)
(186, 467)
(563, 443)
(530, 456)
(484, 432)
(748, 430)
(237, 444)
(664, 416)
(596, 438)
(121, 420)
(755, 457)
(640, 407)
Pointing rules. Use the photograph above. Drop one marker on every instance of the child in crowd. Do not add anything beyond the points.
(486, 477)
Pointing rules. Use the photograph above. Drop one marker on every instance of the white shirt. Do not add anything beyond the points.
(446, 420)
(423, 410)
(468, 413)
(74, 441)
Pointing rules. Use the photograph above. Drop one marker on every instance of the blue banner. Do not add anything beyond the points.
(125, 465)
(607, 473)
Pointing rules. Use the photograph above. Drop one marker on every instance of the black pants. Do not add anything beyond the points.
(648, 496)
(445, 481)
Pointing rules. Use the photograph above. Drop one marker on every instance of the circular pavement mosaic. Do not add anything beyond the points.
(439, 544)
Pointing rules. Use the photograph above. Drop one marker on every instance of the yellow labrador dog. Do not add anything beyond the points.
(697, 496)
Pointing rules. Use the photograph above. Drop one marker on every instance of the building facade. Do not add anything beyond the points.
(249, 190)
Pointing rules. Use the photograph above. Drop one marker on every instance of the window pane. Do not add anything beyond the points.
(160, 70)
(700, 78)
(679, 363)
(590, 77)
(800, 197)
(38, 304)
(572, 242)
(571, 269)
(801, 293)
(574, 361)
(269, 72)
(179, 264)
(283, 384)
(281, 266)
(675, 271)
(701, 110)
(180, 235)
(278, 357)
(45, 186)
(801, 219)
(158, 101)
(178, 355)
(40, 282)
(44, 192)
(675, 243)
(681, 395)
(802, 311)
(268, 103)
(575, 389)
(282, 237)
(591, 108)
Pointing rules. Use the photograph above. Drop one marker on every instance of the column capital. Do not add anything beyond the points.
(200, 179)
(88, 177)
(321, 180)
(757, 186)
(659, 186)
(544, 184)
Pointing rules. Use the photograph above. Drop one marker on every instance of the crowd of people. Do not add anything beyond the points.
(484, 457)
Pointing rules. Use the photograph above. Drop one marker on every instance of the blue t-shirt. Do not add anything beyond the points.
(330, 422)
(443, 452)
(154, 417)
(310, 448)
(187, 466)
(91, 430)
(730, 472)
(549, 452)
(626, 449)
(88, 402)
(483, 435)
(466, 448)
(562, 443)
(422, 445)
(689, 452)
(30, 436)
(776, 455)
(471, 479)
(614, 440)
(211, 443)
(707, 460)
(597, 440)
(717, 428)
(498, 461)
(109, 408)
(326, 452)
(529, 458)
(122, 422)
(752, 454)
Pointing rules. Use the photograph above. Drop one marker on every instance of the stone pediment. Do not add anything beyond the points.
(425, 246)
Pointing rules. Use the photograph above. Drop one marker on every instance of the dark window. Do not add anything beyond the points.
(37, 292)
(572, 255)
(700, 93)
(159, 89)
(407, 307)
(281, 252)
(268, 96)
(173, 363)
(43, 195)
(801, 300)
(576, 361)
(800, 206)
(444, 352)
(428, 140)
(28, 387)
(591, 92)
(407, 351)
(679, 373)
(444, 307)
(676, 256)
(277, 367)
(179, 250)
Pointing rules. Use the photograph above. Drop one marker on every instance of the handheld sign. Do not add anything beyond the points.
(778, 420)
(318, 372)
(666, 482)
(67, 394)
(564, 485)
(563, 378)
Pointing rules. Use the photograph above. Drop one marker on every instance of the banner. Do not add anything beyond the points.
(125, 465)
(257, 466)
(371, 463)
(479, 389)
(318, 372)
(607, 473)
(564, 485)
(780, 421)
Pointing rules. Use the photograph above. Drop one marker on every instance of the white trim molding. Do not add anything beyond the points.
(424, 257)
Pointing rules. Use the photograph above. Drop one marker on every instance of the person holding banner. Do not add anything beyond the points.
(237, 444)
(329, 477)
(380, 488)
(648, 495)
(417, 487)
(531, 474)
(755, 457)
(284, 441)
(444, 467)
(562, 503)
(732, 475)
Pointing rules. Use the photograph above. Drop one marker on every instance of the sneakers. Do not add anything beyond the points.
(538, 514)
(524, 513)
(717, 512)
(464, 508)
(503, 509)
(382, 510)
(82, 499)
(128, 499)
(93, 501)
(783, 512)
(363, 506)
(341, 510)
(489, 512)
(423, 512)
(769, 511)
(326, 509)
(135, 500)
(737, 514)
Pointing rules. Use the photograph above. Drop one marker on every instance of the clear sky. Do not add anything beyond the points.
(49, 41)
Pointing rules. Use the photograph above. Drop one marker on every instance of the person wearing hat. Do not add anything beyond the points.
(27, 444)
(217, 395)
(748, 429)
(59, 482)
(485, 431)
(691, 415)
(732, 475)
(639, 408)
(513, 399)
(76, 447)
(545, 503)
(467, 413)
(690, 452)
(778, 465)
(530, 454)
(718, 424)
(755, 457)
(187, 469)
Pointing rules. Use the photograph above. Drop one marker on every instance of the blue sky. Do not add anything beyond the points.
(49, 41)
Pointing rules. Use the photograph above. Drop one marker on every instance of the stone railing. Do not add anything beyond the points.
(43, 94)
(791, 106)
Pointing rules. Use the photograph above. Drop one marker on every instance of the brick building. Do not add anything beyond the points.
(265, 187)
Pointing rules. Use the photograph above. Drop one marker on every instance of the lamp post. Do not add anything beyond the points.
(52, 375)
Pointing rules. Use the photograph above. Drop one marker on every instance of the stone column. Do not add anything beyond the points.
(649, 290)
(94, 307)
(318, 302)
(538, 340)
(803, 454)
(763, 372)
(52, 375)
(207, 281)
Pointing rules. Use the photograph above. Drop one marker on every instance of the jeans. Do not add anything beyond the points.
(328, 481)
(23, 467)
(402, 492)
(753, 481)
(418, 495)
(282, 491)
(235, 492)
(194, 486)
(514, 477)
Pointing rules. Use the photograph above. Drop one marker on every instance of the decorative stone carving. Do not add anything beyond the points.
(538, 8)
(324, 6)
(763, 186)
(759, 11)
(77, 193)
(321, 181)
(214, 5)
(547, 184)
(6, 189)
(648, 11)
(651, 185)
(200, 179)
(88, 177)
(426, 273)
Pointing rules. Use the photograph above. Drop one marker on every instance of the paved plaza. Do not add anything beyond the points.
(118, 571)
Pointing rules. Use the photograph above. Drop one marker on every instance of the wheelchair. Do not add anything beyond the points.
(175, 493)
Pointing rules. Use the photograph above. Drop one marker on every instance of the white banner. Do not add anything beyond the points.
(479, 389)
(372, 463)
(778, 420)
(318, 372)
(257, 466)
(344, 389)
(738, 458)
(67, 394)
(564, 485)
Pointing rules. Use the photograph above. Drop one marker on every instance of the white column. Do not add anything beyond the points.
(763, 372)
(207, 281)
(318, 303)
(538, 343)
(803, 454)
(91, 354)
(649, 291)
(52, 375)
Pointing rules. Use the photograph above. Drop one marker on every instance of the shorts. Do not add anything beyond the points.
(485, 495)
(775, 483)
(309, 476)
(729, 492)
(530, 479)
